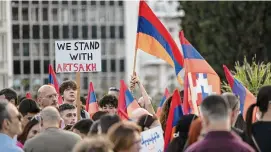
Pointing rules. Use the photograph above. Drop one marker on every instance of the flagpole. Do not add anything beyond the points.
(78, 102)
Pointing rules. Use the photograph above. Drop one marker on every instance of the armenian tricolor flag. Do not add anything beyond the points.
(91, 104)
(53, 81)
(159, 109)
(126, 104)
(200, 78)
(174, 115)
(153, 38)
(245, 96)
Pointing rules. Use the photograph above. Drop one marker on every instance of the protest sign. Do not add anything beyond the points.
(78, 56)
(152, 140)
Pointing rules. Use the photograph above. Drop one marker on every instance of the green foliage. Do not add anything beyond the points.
(226, 31)
(252, 76)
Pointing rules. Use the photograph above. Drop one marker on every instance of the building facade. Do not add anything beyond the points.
(6, 74)
(36, 25)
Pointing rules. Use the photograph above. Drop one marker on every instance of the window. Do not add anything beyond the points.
(26, 65)
(85, 81)
(35, 14)
(122, 65)
(55, 32)
(15, 13)
(36, 66)
(36, 31)
(75, 32)
(26, 31)
(25, 2)
(35, 2)
(92, 2)
(16, 67)
(35, 49)
(46, 80)
(55, 14)
(113, 65)
(112, 32)
(54, 2)
(64, 15)
(121, 30)
(26, 84)
(120, 3)
(45, 66)
(83, 2)
(26, 49)
(103, 30)
(65, 32)
(16, 49)
(85, 31)
(83, 16)
(74, 14)
(103, 47)
(46, 49)
(15, 31)
(104, 66)
(64, 2)
(94, 32)
(45, 2)
(45, 14)
(102, 3)
(111, 3)
(25, 14)
(45, 31)
(74, 2)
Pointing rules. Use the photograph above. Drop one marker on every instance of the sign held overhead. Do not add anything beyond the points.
(78, 56)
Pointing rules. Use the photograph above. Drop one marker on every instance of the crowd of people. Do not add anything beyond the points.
(41, 125)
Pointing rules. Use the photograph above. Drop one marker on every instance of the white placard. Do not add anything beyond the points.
(78, 56)
(152, 140)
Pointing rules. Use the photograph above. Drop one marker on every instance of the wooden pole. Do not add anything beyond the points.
(78, 102)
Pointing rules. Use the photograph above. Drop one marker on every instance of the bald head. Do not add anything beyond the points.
(45, 88)
(50, 116)
(47, 96)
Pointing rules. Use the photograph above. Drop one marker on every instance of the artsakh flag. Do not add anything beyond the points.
(174, 115)
(200, 78)
(245, 96)
(53, 81)
(126, 103)
(165, 96)
(91, 104)
(154, 39)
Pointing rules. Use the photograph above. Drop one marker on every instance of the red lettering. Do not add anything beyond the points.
(94, 67)
(81, 67)
(75, 65)
(70, 66)
(88, 67)
(65, 67)
(59, 68)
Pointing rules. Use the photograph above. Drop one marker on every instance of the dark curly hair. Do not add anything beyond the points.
(108, 100)
(67, 84)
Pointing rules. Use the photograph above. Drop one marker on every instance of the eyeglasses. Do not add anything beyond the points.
(52, 96)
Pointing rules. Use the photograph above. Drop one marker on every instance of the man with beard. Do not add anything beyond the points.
(68, 90)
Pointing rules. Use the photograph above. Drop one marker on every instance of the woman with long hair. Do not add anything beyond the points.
(260, 131)
(32, 128)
